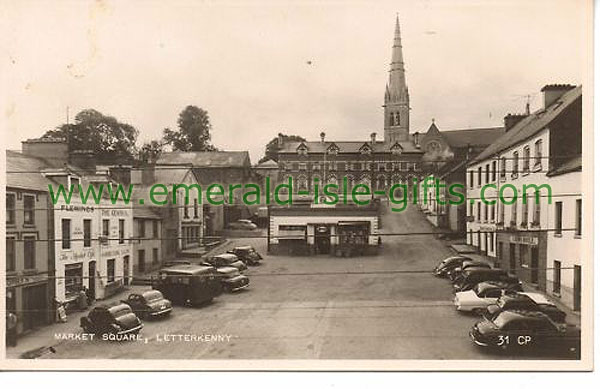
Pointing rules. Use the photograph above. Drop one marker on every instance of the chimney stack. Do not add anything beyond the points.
(279, 140)
(373, 138)
(85, 159)
(552, 92)
(322, 135)
(511, 120)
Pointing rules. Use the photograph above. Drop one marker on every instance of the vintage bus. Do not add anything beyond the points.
(188, 284)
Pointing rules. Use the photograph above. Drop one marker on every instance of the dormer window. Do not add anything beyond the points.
(332, 149)
(365, 150)
(302, 149)
(73, 182)
(396, 149)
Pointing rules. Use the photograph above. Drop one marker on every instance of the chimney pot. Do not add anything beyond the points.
(373, 137)
(511, 120)
(322, 135)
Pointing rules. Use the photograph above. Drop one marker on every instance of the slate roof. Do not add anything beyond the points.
(168, 174)
(29, 172)
(530, 125)
(347, 146)
(472, 136)
(207, 159)
(268, 164)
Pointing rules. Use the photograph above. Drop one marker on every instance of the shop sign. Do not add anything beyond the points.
(528, 240)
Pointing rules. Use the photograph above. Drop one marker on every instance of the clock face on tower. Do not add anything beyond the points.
(433, 146)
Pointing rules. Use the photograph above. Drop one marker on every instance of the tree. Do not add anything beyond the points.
(272, 148)
(193, 133)
(109, 139)
(150, 152)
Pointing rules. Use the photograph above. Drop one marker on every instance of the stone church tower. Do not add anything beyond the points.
(396, 100)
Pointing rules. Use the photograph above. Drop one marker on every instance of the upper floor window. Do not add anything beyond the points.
(66, 233)
(493, 171)
(121, 231)
(487, 173)
(87, 232)
(195, 209)
(10, 208)
(155, 228)
(479, 176)
(105, 230)
(142, 228)
(29, 252)
(29, 209)
(515, 164)
(502, 168)
(558, 217)
(10, 254)
(471, 178)
(537, 160)
(526, 156)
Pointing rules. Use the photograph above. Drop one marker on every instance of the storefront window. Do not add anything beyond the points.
(110, 270)
(73, 278)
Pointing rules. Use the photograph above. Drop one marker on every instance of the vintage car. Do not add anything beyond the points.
(226, 259)
(471, 277)
(454, 273)
(520, 329)
(247, 254)
(482, 295)
(117, 319)
(232, 280)
(441, 270)
(148, 304)
(242, 224)
(525, 301)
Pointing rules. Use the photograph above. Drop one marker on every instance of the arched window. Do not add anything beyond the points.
(391, 119)
(397, 119)
(302, 183)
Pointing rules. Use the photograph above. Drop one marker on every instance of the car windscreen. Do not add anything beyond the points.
(479, 289)
(501, 320)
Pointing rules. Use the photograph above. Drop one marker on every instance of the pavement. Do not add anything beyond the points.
(387, 306)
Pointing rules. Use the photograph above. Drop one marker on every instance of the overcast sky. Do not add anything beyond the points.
(468, 64)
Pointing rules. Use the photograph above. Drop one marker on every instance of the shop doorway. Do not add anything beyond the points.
(92, 279)
(34, 306)
(323, 239)
(126, 270)
(512, 258)
(535, 264)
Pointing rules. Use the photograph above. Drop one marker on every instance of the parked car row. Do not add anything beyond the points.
(511, 318)
(179, 282)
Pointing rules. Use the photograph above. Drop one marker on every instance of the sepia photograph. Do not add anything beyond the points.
(290, 185)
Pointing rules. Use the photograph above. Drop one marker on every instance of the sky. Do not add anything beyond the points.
(264, 67)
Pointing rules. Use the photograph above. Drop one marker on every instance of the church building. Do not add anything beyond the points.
(376, 163)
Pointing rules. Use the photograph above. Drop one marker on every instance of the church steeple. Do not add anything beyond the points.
(396, 100)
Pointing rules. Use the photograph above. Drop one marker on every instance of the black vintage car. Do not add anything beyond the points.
(226, 260)
(525, 302)
(247, 254)
(472, 276)
(148, 304)
(232, 280)
(116, 319)
(442, 269)
(454, 273)
(519, 329)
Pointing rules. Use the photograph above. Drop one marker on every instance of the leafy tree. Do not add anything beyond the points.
(150, 152)
(272, 148)
(109, 139)
(193, 133)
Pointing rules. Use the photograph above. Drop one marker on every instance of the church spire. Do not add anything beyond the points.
(396, 100)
